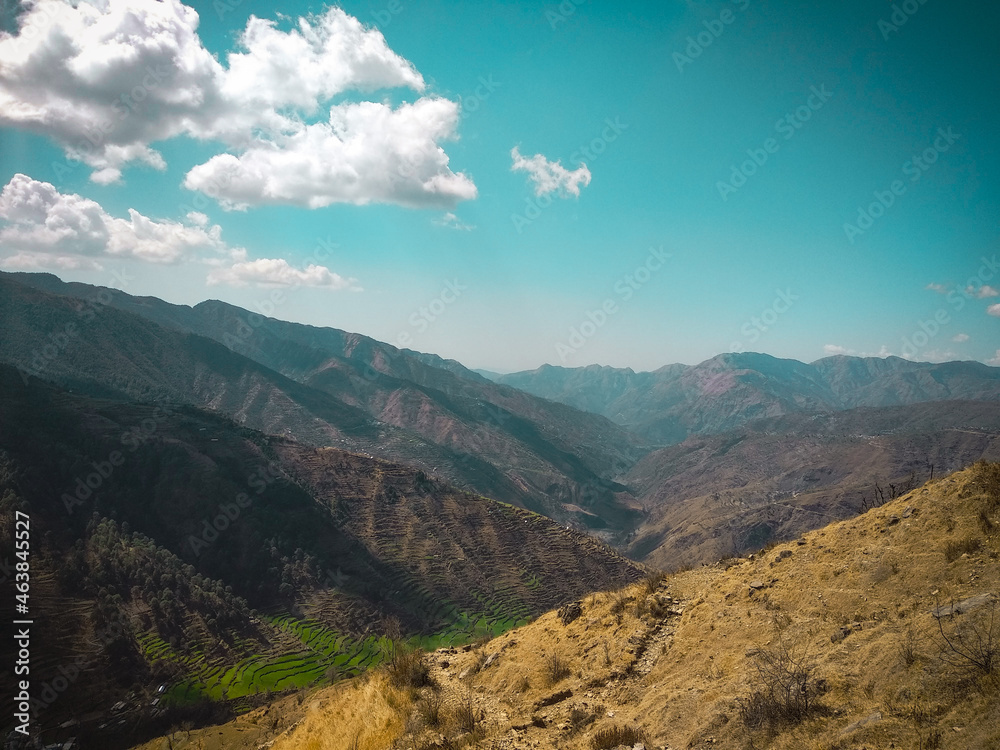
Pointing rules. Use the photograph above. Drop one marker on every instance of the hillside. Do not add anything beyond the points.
(877, 632)
(323, 386)
(730, 390)
(718, 495)
(173, 547)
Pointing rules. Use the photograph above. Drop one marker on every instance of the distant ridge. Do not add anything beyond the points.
(729, 390)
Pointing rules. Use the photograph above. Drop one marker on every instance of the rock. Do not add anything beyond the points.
(783, 555)
(909, 511)
(966, 605)
(892, 520)
(465, 673)
(445, 664)
(870, 719)
(757, 585)
(571, 611)
(491, 660)
(553, 699)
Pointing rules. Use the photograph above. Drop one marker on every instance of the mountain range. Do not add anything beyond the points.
(229, 506)
(669, 404)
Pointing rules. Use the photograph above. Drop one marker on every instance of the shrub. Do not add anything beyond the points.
(615, 736)
(465, 714)
(652, 582)
(908, 648)
(429, 709)
(973, 645)
(556, 669)
(783, 689)
(408, 669)
(986, 477)
(619, 603)
(954, 550)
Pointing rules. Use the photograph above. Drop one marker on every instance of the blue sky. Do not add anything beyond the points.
(692, 177)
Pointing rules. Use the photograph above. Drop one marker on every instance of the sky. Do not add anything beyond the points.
(512, 184)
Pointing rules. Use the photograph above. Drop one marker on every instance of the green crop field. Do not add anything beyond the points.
(325, 654)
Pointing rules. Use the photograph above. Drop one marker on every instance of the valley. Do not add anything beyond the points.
(232, 516)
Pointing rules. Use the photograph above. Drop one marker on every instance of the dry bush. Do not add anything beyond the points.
(611, 737)
(429, 709)
(908, 647)
(651, 583)
(986, 479)
(466, 716)
(619, 603)
(556, 668)
(783, 689)
(954, 550)
(972, 644)
(407, 669)
(641, 606)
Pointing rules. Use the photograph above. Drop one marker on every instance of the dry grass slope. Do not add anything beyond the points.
(870, 633)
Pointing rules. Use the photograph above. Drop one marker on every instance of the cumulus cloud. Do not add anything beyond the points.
(451, 221)
(275, 272)
(48, 229)
(995, 361)
(43, 228)
(939, 288)
(835, 349)
(550, 176)
(367, 152)
(993, 310)
(983, 292)
(107, 80)
(960, 338)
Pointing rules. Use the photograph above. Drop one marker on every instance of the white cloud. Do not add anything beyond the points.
(367, 152)
(993, 310)
(106, 80)
(982, 292)
(960, 338)
(939, 288)
(995, 361)
(278, 272)
(451, 221)
(43, 228)
(48, 229)
(550, 176)
(834, 349)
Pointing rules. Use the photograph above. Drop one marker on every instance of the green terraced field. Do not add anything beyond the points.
(325, 653)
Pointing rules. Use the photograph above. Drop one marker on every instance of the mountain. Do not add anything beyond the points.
(324, 386)
(730, 390)
(773, 479)
(876, 632)
(171, 547)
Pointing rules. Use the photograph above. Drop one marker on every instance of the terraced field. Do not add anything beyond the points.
(326, 655)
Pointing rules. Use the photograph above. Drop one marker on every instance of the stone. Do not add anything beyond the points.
(571, 611)
(855, 726)
(966, 605)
